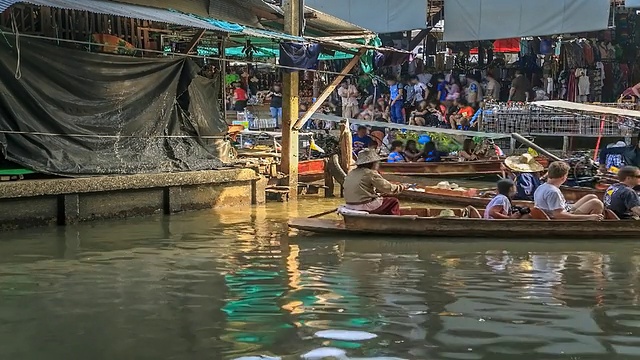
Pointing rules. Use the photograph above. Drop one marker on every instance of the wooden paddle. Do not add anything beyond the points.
(323, 213)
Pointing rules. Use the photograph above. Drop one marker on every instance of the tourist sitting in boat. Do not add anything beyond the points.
(525, 171)
(621, 198)
(361, 140)
(431, 153)
(500, 206)
(411, 152)
(363, 185)
(396, 154)
(549, 198)
(467, 153)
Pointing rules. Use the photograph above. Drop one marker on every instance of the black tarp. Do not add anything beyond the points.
(84, 113)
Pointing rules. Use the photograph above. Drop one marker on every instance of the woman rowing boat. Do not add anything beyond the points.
(363, 186)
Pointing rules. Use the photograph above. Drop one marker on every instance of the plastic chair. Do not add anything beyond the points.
(538, 214)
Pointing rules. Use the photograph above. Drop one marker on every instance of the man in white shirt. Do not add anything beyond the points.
(420, 90)
(493, 88)
(349, 94)
(549, 198)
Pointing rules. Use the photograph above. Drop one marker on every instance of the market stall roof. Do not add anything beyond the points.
(598, 109)
(422, 129)
(177, 18)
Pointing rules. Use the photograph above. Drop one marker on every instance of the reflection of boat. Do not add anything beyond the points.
(435, 195)
(421, 222)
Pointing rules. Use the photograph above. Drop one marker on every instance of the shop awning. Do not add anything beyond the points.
(597, 109)
(474, 20)
(503, 46)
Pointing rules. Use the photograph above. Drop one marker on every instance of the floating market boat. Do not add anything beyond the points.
(311, 170)
(432, 223)
(480, 198)
(448, 168)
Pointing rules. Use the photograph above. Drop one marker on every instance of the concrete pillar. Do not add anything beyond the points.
(258, 191)
(68, 209)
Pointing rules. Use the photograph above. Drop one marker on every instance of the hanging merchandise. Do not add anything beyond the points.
(299, 56)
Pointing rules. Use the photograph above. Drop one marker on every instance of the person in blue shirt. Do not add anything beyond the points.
(430, 153)
(361, 140)
(397, 100)
(441, 88)
(526, 174)
(396, 152)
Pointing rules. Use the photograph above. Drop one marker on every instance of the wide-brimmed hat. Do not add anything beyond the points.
(446, 213)
(367, 156)
(524, 163)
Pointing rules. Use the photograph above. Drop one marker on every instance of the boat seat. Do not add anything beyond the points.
(538, 214)
(610, 215)
(473, 213)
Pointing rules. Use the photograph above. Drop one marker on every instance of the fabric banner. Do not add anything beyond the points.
(473, 20)
(379, 16)
(76, 113)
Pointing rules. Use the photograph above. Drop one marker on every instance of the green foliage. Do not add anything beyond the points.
(444, 142)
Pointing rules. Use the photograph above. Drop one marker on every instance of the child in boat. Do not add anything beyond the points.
(525, 172)
(500, 205)
(411, 152)
(396, 154)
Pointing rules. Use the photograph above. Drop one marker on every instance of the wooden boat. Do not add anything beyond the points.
(425, 223)
(473, 197)
(443, 168)
(448, 168)
(311, 170)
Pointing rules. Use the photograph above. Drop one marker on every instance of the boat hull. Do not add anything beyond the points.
(445, 168)
(429, 227)
(311, 170)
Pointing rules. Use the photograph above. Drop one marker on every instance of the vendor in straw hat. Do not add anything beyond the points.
(526, 175)
(363, 187)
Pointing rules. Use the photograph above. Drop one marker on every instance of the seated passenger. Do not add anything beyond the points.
(361, 140)
(467, 152)
(549, 198)
(621, 198)
(430, 153)
(396, 154)
(462, 119)
(411, 152)
(525, 170)
(363, 186)
(500, 205)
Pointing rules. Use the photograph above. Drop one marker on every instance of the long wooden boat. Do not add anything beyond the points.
(448, 168)
(434, 195)
(443, 168)
(425, 223)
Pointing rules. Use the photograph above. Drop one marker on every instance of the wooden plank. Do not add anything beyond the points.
(194, 41)
(328, 90)
(118, 20)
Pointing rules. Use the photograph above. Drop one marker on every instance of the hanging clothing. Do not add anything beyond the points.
(301, 56)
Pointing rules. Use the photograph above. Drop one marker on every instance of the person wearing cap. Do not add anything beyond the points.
(364, 185)
(525, 170)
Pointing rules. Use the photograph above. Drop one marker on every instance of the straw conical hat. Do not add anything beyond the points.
(524, 163)
(367, 156)
(446, 213)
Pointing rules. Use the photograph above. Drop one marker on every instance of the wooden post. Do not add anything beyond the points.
(290, 81)
(194, 41)
(329, 89)
(223, 74)
(328, 181)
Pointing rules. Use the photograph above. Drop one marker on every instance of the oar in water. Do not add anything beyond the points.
(323, 213)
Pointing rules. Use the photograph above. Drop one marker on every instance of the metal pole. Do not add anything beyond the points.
(293, 11)
(536, 147)
(223, 74)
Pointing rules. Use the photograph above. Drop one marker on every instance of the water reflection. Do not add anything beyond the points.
(221, 285)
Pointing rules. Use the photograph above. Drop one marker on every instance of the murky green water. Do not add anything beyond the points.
(221, 285)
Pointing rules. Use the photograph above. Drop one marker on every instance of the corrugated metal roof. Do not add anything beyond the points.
(133, 11)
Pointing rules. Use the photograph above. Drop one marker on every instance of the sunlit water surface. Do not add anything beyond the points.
(233, 283)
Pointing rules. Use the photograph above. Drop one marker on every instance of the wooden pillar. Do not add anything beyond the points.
(290, 83)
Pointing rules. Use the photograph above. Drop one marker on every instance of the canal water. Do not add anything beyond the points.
(236, 283)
